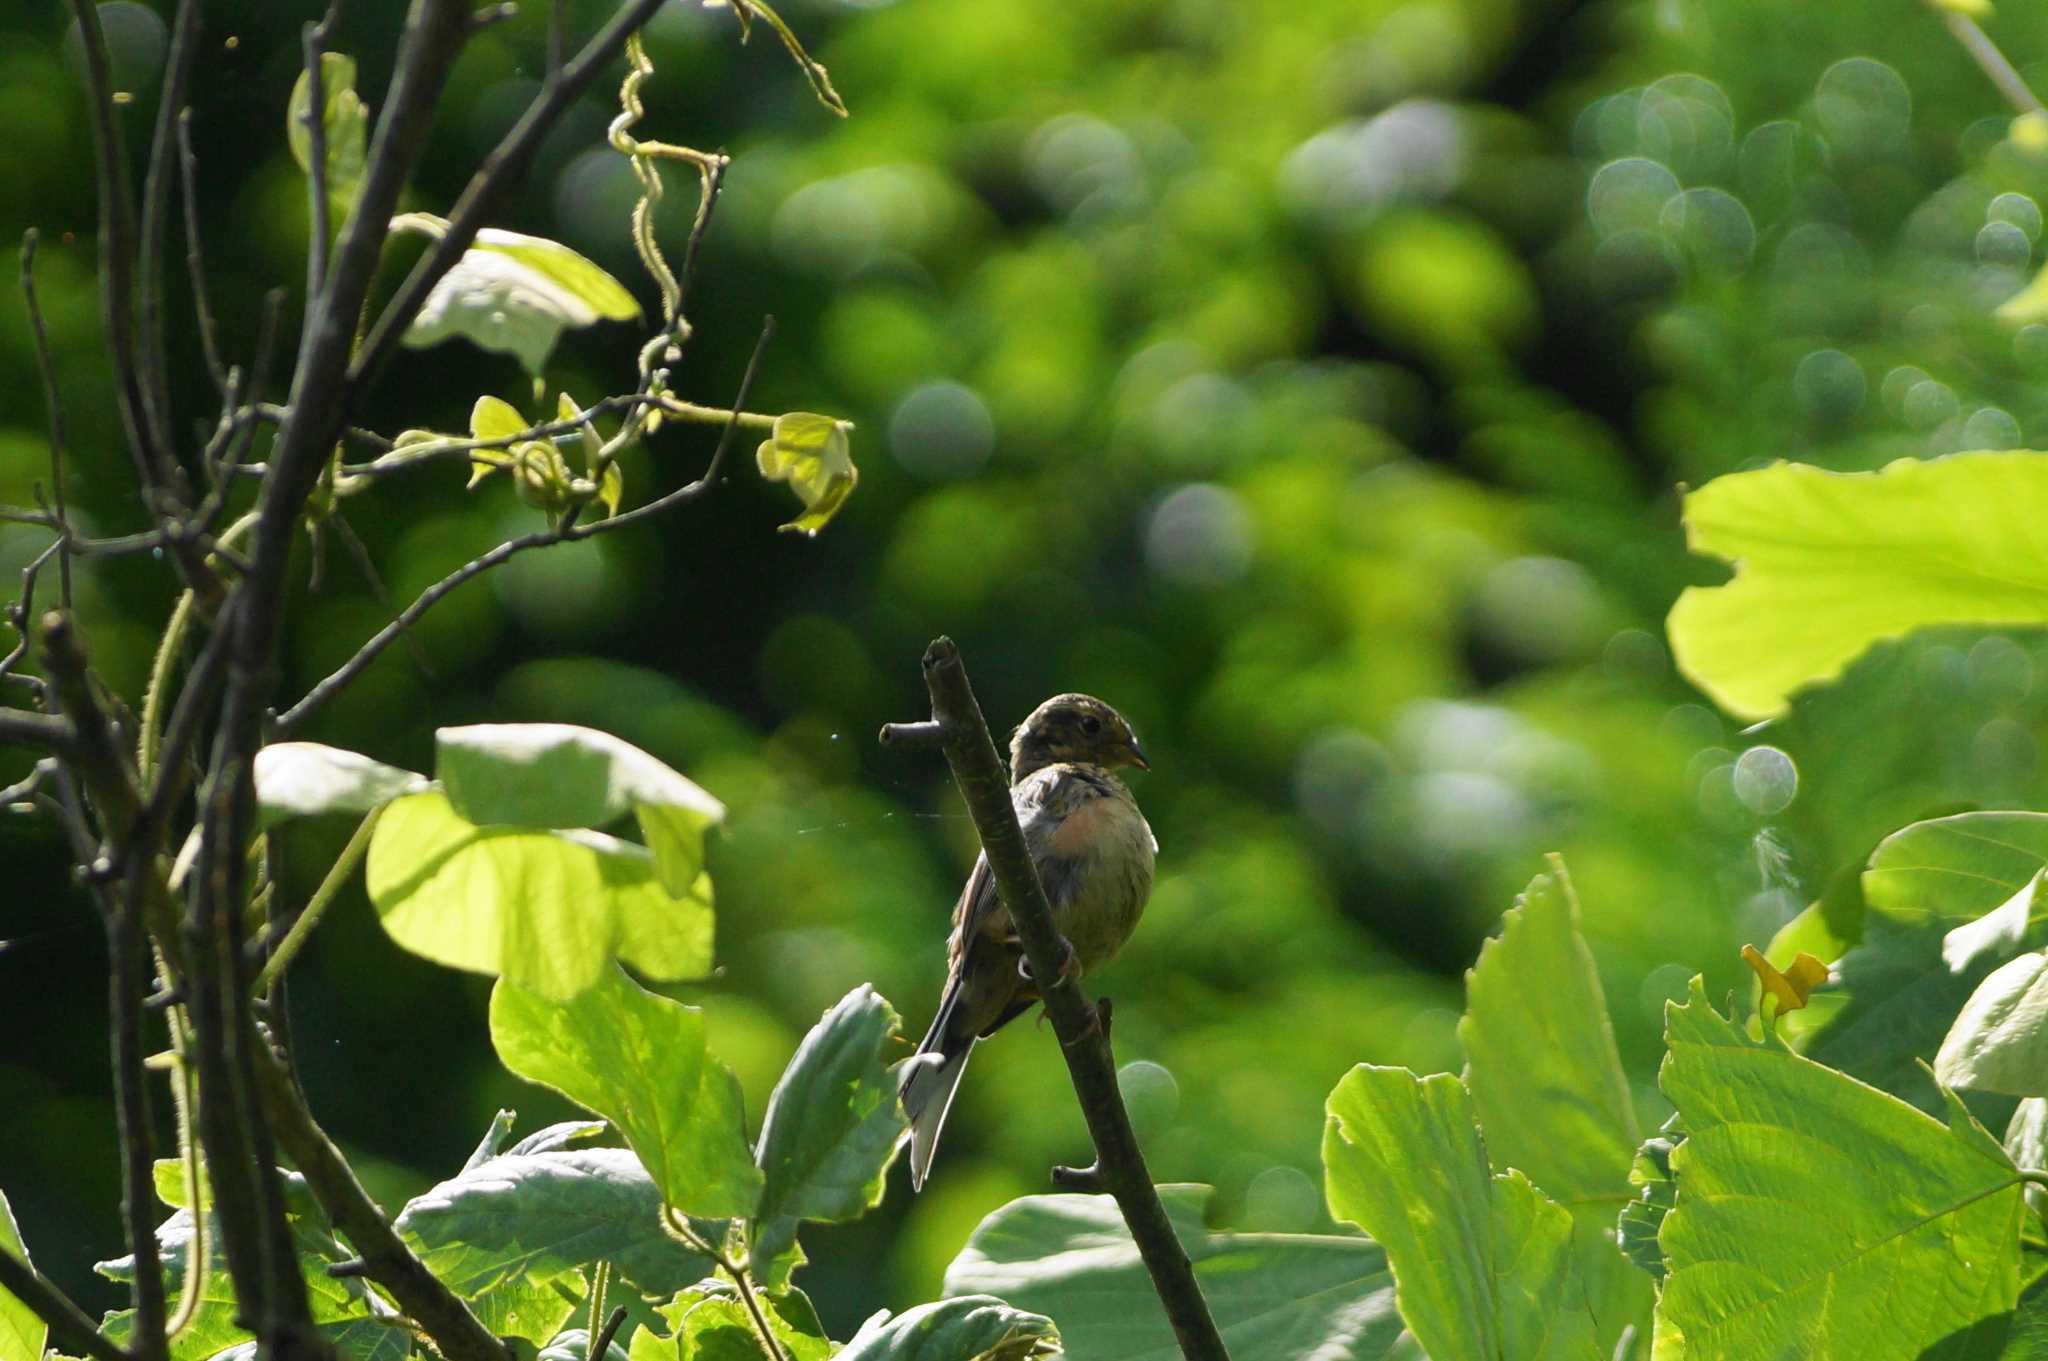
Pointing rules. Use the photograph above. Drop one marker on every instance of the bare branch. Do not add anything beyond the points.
(152, 365)
(27, 728)
(318, 222)
(1119, 1163)
(195, 263)
(1992, 61)
(71, 1331)
(315, 699)
(52, 404)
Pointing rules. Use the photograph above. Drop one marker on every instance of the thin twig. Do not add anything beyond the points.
(1119, 1163)
(195, 262)
(295, 717)
(319, 223)
(19, 613)
(323, 897)
(52, 403)
(151, 362)
(71, 1331)
(1989, 58)
(603, 1341)
(45, 732)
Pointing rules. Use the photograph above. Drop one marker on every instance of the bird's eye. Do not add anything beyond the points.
(1091, 724)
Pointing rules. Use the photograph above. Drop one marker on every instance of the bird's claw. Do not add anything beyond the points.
(1070, 966)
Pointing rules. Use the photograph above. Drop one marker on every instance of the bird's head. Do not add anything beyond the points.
(1077, 728)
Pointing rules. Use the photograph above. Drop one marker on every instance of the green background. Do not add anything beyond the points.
(1311, 381)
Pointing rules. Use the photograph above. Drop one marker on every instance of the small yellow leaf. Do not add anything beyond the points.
(1790, 988)
(812, 454)
(2029, 132)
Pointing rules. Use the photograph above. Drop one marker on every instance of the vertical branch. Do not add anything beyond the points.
(958, 726)
(319, 224)
(152, 365)
(100, 757)
(54, 405)
(1993, 62)
(195, 263)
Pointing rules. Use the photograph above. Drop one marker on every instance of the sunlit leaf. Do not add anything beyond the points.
(546, 909)
(1547, 1083)
(561, 775)
(2000, 1041)
(299, 779)
(1640, 1220)
(1828, 563)
(965, 1328)
(813, 455)
(1070, 1257)
(514, 294)
(532, 1217)
(1483, 1265)
(22, 1330)
(709, 1322)
(1809, 1205)
(831, 1130)
(638, 1059)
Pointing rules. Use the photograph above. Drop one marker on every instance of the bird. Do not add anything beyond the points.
(1094, 853)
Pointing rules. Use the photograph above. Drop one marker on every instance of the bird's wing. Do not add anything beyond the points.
(980, 911)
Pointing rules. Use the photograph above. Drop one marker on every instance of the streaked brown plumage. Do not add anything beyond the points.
(1094, 855)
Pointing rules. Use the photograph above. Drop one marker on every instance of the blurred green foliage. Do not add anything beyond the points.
(1313, 384)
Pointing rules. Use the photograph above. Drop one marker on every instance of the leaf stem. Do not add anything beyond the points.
(316, 906)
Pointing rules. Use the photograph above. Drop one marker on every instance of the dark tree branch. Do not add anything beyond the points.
(315, 699)
(385, 1257)
(27, 728)
(318, 223)
(152, 365)
(603, 1341)
(195, 262)
(71, 1331)
(101, 758)
(507, 161)
(1119, 1164)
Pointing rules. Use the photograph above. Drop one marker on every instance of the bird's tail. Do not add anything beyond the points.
(930, 1081)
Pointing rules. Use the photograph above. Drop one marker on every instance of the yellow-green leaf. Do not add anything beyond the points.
(1791, 987)
(814, 456)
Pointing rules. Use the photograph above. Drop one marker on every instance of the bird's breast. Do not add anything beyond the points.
(1098, 863)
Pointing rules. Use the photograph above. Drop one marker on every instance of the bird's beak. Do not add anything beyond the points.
(1138, 756)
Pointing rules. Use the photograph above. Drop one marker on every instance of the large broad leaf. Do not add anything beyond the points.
(1818, 1217)
(559, 775)
(2000, 1041)
(1548, 1086)
(545, 909)
(1945, 900)
(1272, 1294)
(1483, 1264)
(344, 131)
(709, 1322)
(638, 1059)
(1826, 564)
(514, 293)
(298, 779)
(831, 1131)
(968, 1328)
(536, 1216)
(22, 1330)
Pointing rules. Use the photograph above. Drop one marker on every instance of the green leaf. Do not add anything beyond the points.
(345, 131)
(814, 456)
(708, 1322)
(1071, 1258)
(1483, 1264)
(573, 1344)
(639, 1060)
(513, 294)
(22, 1330)
(965, 1328)
(1810, 1205)
(1942, 887)
(1827, 564)
(545, 909)
(1640, 1220)
(521, 1217)
(830, 1133)
(300, 779)
(2000, 1041)
(560, 775)
(1548, 1086)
